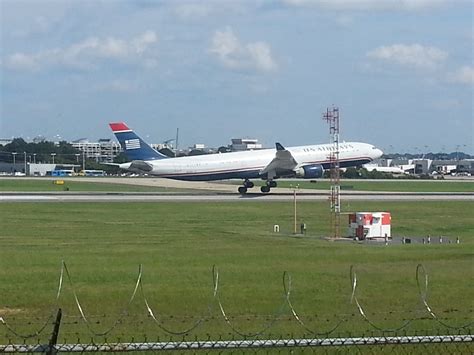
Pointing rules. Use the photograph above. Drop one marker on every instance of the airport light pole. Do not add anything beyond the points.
(14, 155)
(83, 160)
(294, 204)
(24, 155)
(53, 155)
(34, 158)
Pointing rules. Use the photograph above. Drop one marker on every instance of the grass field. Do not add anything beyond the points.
(46, 185)
(178, 243)
(76, 185)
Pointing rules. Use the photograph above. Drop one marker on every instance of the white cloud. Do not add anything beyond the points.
(410, 55)
(464, 75)
(21, 61)
(235, 55)
(367, 5)
(88, 53)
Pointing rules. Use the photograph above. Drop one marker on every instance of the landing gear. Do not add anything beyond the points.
(247, 185)
(266, 188)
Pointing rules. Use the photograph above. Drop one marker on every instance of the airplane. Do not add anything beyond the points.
(308, 162)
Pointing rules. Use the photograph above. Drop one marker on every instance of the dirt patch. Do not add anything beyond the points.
(10, 311)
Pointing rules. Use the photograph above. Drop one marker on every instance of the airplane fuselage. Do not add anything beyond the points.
(249, 164)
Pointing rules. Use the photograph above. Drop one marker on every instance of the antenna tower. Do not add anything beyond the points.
(331, 116)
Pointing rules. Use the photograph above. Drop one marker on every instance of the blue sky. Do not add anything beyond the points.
(401, 71)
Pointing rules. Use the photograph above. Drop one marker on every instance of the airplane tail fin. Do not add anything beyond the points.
(133, 146)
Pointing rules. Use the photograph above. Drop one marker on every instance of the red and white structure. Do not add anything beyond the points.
(369, 225)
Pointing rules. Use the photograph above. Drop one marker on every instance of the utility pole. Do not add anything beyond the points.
(294, 206)
(176, 143)
(331, 116)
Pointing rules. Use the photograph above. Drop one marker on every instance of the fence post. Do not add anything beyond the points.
(54, 337)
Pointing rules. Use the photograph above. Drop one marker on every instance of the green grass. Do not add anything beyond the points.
(75, 185)
(46, 185)
(385, 185)
(178, 243)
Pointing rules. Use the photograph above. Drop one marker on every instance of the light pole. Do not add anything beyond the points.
(83, 160)
(14, 155)
(34, 158)
(53, 155)
(294, 203)
(24, 155)
(77, 157)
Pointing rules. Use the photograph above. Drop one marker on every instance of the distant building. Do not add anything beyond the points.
(105, 150)
(424, 166)
(52, 169)
(239, 144)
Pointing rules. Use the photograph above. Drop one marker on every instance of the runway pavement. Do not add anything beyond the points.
(210, 191)
(217, 197)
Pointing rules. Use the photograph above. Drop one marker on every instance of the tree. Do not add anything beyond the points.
(351, 173)
(223, 149)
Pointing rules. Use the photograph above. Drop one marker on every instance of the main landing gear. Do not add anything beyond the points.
(266, 188)
(247, 185)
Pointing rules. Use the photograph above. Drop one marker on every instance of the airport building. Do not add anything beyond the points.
(104, 151)
(239, 144)
(424, 166)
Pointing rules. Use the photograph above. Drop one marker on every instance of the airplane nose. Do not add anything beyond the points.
(378, 153)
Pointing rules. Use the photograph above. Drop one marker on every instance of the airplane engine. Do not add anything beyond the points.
(310, 171)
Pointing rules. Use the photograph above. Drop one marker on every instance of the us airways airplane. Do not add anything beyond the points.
(306, 162)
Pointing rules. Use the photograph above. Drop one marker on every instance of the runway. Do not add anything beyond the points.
(210, 191)
(225, 197)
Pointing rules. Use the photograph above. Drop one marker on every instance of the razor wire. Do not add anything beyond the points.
(80, 308)
(353, 277)
(287, 288)
(48, 320)
(27, 336)
(165, 329)
(424, 295)
(215, 279)
(295, 314)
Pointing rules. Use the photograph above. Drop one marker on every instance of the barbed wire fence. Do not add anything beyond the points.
(422, 329)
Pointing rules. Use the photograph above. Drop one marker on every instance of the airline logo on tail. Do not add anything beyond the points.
(132, 144)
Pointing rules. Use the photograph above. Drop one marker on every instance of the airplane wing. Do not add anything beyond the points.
(283, 161)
